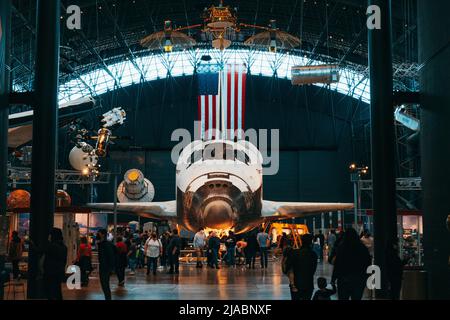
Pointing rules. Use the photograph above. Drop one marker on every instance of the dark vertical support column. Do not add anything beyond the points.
(44, 134)
(434, 56)
(5, 37)
(382, 137)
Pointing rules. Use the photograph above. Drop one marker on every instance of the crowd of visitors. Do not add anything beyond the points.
(350, 255)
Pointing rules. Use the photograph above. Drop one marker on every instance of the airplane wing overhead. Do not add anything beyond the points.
(281, 210)
(156, 210)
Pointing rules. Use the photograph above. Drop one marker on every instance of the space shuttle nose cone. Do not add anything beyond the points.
(218, 215)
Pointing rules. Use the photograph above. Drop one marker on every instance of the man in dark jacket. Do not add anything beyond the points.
(350, 266)
(173, 251)
(303, 263)
(214, 246)
(107, 261)
(54, 269)
(250, 250)
(230, 244)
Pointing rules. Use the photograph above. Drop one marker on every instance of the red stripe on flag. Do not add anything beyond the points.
(236, 98)
(199, 101)
(244, 78)
(229, 99)
(214, 113)
(205, 98)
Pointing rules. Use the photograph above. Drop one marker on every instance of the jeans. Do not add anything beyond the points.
(214, 257)
(120, 271)
(132, 262)
(250, 258)
(199, 254)
(174, 262)
(264, 257)
(104, 282)
(164, 259)
(152, 263)
(231, 256)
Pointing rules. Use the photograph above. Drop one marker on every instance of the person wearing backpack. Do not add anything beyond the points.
(153, 249)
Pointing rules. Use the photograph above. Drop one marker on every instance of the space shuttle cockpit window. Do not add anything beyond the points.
(218, 151)
(241, 156)
(196, 156)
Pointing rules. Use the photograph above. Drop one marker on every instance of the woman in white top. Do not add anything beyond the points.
(153, 249)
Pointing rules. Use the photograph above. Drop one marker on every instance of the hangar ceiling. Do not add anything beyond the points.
(111, 30)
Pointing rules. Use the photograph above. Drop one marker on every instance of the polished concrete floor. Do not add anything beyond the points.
(235, 283)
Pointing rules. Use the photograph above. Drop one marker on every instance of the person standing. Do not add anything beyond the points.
(333, 251)
(122, 260)
(320, 239)
(174, 249)
(284, 242)
(106, 259)
(164, 242)
(331, 240)
(199, 245)
(140, 253)
(264, 245)
(153, 249)
(240, 247)
(230, 244)
(250, 250)
(214, 246)
(303, 264)
(132, 256)
(54, 267)
(15, 253)
(84, 259)
(208, 250)
(350, 266)
(316, 246)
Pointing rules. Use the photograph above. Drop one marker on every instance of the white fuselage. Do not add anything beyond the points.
(219, 185)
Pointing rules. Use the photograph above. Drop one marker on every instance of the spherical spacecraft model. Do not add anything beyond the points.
(79, 159)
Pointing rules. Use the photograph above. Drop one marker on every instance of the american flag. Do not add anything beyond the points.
(222, 116)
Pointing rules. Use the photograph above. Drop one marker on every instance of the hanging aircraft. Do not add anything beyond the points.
(219, 186)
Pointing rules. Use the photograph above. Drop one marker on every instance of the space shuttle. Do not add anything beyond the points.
(219, 185)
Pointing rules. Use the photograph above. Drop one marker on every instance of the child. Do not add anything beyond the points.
(323, 293)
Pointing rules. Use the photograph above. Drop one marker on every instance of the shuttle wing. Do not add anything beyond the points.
(274, 210)
(157, 210)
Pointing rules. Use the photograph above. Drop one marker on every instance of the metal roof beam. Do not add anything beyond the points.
(123, 42)
(93, 51)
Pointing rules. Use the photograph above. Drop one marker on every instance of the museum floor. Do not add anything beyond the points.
(191, 284)
(203, 284)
